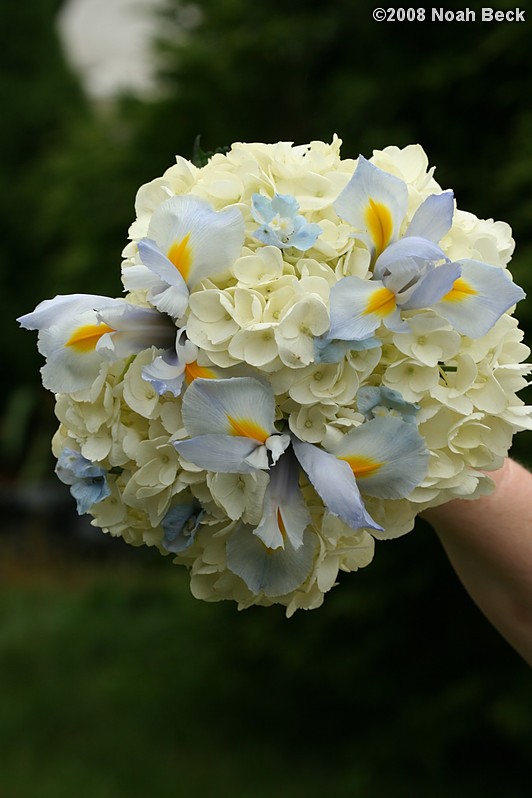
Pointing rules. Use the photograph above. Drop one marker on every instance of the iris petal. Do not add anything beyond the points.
(358, 307)
(237, 406)
(266, 571)
(335, 483)
(434, 217)
(479, 298)
(375, 203)
(387, 455)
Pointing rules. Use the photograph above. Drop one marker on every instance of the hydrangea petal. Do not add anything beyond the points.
(180, 525)
(387, 456)
(281, 225)
(335, 483)
(370, 397)
(326, 351)
(266, 571)
(478, 298)
(87, 482)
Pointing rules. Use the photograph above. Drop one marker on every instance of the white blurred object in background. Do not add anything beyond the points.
(108, 42)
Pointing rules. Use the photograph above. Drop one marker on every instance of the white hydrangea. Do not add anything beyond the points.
(265, 315)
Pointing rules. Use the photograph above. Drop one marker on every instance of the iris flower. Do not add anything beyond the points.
(231, 428)
(79, 332)
(411, 272)
(187, 241)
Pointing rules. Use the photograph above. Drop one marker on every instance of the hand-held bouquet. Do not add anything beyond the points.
(310, 352)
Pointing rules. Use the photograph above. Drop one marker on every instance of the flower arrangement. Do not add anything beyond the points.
(310, 352)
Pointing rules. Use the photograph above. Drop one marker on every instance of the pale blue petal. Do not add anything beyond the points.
(209, 404)
(305, 234)
(269, 237)
(409, 247)
(280, 224)
(434, 217)
(88, 482)
(326, 351)
(180, 525)
(214, 238)
(494, 293)
(134, 329)
(371, 396)
(166, 374)
(349, 300)
(262, 209)
(437, 282)
(270, 572)
(89, 492)
(49, 311)
(397, 450)
(333, 480)
(283, 499)
(157, 262)
(369, 183)
(221, 453)
(285, 205)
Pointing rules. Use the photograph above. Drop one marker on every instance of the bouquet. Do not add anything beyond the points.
(311, 351)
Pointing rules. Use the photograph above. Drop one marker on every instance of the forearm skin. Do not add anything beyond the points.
(489, 543)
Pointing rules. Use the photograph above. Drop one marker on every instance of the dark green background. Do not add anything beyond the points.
(113, 680)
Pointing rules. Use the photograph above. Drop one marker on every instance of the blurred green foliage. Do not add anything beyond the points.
(118, 683)
(122, 685)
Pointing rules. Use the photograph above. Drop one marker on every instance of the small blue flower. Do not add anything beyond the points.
(280, 224)
(375, 401)
(88, 482)
(334, 351)
(180, 525)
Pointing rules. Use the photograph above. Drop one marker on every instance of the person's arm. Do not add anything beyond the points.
(489, 544)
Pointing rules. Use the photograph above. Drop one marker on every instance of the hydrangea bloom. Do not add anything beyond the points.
(311, 351)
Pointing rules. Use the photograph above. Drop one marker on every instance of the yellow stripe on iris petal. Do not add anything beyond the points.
(180, 254)
(247, 428)
(460, 291)
(379, 222)
(85, 338)
(193, 371)
(381, 302)
(280, 524)
(362, 466)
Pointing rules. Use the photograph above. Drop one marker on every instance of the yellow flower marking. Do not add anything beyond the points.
(193, 371)
(381, 302)
(460, 291)
(247, 428)
(280, 524)
(180, 254)
(362, 466)
(85, 338)
(379, 222)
